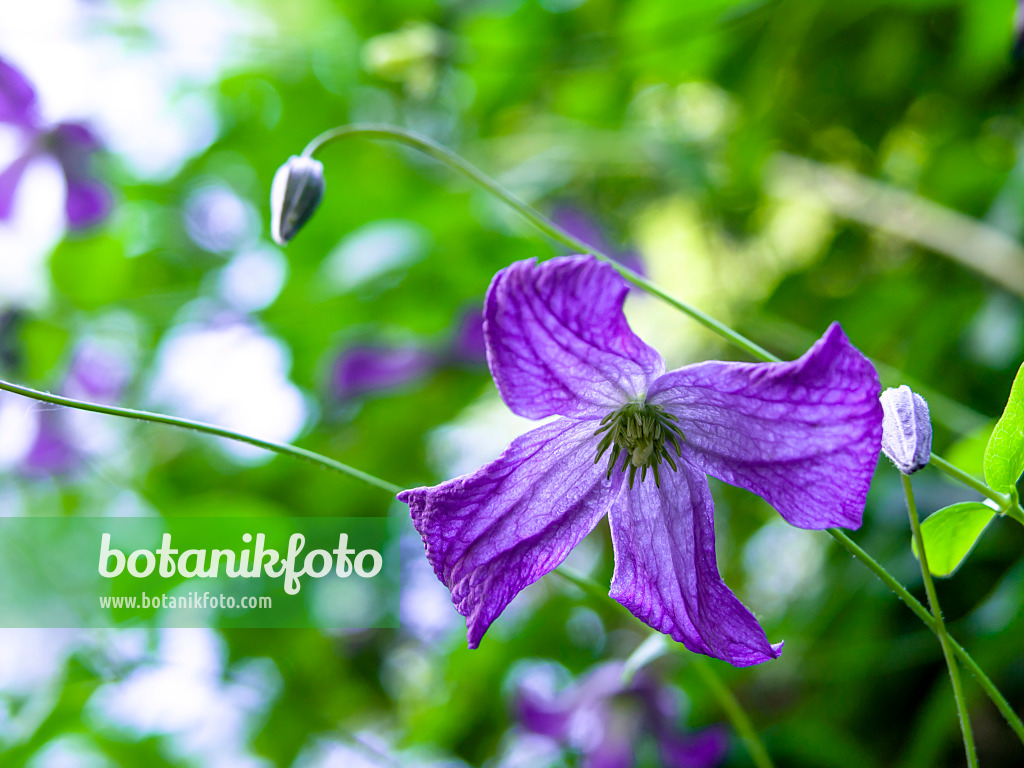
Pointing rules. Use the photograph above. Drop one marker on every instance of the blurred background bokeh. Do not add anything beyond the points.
(779, 163)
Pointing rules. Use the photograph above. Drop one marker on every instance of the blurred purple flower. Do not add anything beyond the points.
(605, 719)
(95, 374)
(585, 228)
(52, 451)
(804, 435)
(369, 369)
(468, 345)
(72, 145)
(365, 370)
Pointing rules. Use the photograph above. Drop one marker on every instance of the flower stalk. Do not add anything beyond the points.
(545, 225)
(940, 626)
(997, 698)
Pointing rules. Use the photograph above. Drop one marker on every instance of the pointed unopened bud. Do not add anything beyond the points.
(906, 429)
(295, 195)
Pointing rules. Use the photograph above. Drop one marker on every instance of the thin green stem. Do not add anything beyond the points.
(209, 429)
(1012, 718)
(582, 582)
(728, 702)
(733, 710)
(1009, 504)
(940, 626)
(444, 155)
(545, 225)
(969, 480)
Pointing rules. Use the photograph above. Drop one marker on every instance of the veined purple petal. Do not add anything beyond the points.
(558, 342)
(366, 370)
(666, 572)
(803, 435)
(10, 178)
(490, 534)
(17, 98)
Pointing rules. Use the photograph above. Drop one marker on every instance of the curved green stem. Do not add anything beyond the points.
(733, 710)
(545, 225)
(444, 155)
(727, 701)
(198, 426)
(1009, 504)
(582, 582)
(969, 480)
(1012, 718)
(940, 626)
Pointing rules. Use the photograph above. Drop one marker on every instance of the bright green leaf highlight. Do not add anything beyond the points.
(951, 533)
(1004, 455)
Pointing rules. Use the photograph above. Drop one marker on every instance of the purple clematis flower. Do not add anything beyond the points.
(636, 443)
(604, 719)
(72, 145)
(367, 369)
(96, 374)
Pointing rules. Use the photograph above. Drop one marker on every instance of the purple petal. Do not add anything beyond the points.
(10, 178)
(558, 342)
(88, 200)
(803, 435)
(17, 98)
(615, 750)
(51, 453)
(701, 750)
(548, 718)
(582, 227)
(366, 370)
(490, 534)
(666, 573)
(468, 344)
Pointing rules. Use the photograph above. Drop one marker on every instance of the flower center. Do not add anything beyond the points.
(642, 434)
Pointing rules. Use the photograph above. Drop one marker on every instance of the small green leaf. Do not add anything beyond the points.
(950, 534)
(1004, 455)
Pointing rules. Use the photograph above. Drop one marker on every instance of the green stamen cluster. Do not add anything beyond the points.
(641, 433)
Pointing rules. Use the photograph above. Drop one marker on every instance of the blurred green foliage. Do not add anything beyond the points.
(663, 121)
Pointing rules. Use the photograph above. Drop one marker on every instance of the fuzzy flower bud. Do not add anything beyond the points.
(906, 429)
(295, 195)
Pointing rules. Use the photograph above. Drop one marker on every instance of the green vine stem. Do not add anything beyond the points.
(1012, 718)
(1009, 504)
(940, 626)
(454, 161)
(733, 710)
(327, 463)
(728, 702)
(443, 154)
(198, 426)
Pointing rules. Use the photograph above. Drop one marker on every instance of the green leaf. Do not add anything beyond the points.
(950, 534)
(1004, 454)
